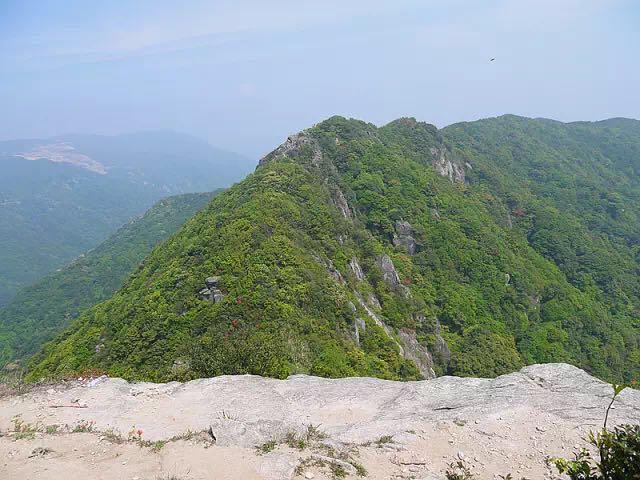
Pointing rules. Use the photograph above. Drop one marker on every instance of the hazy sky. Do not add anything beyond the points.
(244, 74)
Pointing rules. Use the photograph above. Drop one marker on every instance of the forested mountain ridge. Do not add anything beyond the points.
(399, 252)
(62, 196)
(39, 312)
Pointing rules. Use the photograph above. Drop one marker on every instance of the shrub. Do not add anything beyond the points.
(618, 451)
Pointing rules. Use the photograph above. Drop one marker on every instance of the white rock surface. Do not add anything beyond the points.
(508, 424)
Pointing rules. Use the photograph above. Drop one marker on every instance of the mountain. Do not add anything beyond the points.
(398, 252)
(62, 196)
(38, 312)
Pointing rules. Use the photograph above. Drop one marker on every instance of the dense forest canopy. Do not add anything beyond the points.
(40, 311)
(400, 252)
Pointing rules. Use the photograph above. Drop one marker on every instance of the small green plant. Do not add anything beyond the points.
(84, 426)
(157, 445)
(295, 441)
(314, 433)
(360, 470)
(51, 429)
(618, 449)
(113, 436)
(459, 471)
(186, 436)
(337, 470)
(267, 447)
(23, 430)
(385, 439)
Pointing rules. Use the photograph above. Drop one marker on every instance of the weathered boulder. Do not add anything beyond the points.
(211, 292)
(390, 275)
(403, 237)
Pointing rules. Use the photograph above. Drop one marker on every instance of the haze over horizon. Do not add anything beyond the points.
(244, 75)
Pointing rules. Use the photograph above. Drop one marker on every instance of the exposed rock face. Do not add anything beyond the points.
(354, 266)
(442, 349)
(505, 425)
(443, 164)
(359, 325)
(333, 271)
(340, 201)
(390, 275)
(378, 321)
(417, 353)
(211, 293)
(403, 237)
(293, 147)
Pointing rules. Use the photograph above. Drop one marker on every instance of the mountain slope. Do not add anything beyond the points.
(353, 250)
(39, 312)
(62, 196)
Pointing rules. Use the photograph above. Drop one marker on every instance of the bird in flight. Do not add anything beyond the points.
(492, 60)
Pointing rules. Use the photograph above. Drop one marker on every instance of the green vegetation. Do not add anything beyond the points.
(533, 259)
(573, 191)
(267, 447)
(618, 451)
(23, 430)
(41, 311)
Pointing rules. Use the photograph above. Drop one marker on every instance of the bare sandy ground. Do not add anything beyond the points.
(248, 427)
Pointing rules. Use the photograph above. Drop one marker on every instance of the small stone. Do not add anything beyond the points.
(309, 475)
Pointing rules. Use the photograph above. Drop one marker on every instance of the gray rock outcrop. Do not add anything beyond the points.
(417, 353)
(403, 237)
(294, 146)
(441, 161)
(356, 270)
(390, 275)
(211, 292)
(401, 430)
(389, 272)
(340, 201)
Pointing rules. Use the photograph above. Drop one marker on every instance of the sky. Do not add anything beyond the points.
(245, 74)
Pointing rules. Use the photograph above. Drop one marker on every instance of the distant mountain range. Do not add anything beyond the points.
(62, 196)
(400, 252)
